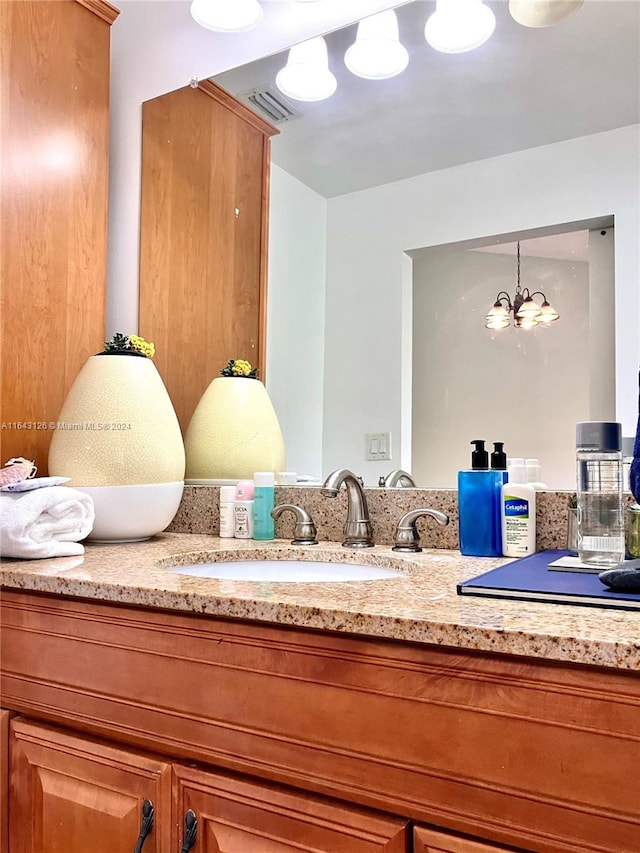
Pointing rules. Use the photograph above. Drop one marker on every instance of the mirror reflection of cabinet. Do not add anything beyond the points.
(203, 237)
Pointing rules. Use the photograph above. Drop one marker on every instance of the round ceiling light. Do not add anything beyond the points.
(377, 53)
(306, 76)
(542, 13)
(459, 25)
(226, 16)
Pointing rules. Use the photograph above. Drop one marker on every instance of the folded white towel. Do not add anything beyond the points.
(45, 523)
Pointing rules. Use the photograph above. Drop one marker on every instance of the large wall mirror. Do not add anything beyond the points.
(392, 191)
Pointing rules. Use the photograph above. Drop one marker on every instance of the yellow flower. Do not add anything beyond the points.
(241, 367)
(140, 345)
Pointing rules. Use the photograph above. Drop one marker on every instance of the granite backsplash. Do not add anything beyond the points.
(198, 513)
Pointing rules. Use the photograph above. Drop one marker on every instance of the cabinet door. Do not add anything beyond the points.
(71, 795)
(54, 137)
(240, 816)
(434, 841)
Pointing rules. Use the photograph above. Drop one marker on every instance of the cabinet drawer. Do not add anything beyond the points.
(433, 841)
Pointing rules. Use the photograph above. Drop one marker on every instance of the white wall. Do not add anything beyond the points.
(509, 385)
(369, 231)
(295, 317)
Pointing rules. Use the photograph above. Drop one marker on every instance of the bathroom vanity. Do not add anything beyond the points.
(384, 715)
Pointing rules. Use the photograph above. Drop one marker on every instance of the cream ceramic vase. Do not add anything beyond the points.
(234, 432)
(119, 440)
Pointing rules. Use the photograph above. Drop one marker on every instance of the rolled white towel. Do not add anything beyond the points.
(45, 522)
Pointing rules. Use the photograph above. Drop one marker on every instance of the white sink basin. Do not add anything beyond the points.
(286, 571)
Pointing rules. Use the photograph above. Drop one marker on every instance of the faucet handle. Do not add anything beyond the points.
(407, 538)
(305, 530)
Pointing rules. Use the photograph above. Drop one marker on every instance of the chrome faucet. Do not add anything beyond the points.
(407, 538)
(357, 529)
(397, 479)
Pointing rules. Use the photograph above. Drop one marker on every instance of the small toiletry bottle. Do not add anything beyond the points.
(227, 515)
(478, 506)
(518, 501)
(243, 510)
(263, 503)
(534, 474)
(286, 478)
(599, 491)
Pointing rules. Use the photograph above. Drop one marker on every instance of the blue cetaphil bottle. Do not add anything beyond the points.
(263, 503)
(479, 504)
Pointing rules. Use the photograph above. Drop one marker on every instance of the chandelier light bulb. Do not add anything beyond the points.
(547, 314)
(306, 76)
(529, 309)
(377, 53)
(527, 323)
(226, 16)
(496, 322)
(498, 317)
(459, 25)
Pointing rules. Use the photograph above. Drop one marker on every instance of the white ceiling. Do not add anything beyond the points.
(568, 246)
(521, 89)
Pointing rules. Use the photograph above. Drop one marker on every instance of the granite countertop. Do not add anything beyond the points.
(420, 606)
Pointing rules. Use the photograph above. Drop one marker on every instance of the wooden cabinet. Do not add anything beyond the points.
(70, 794)
(73, 794)
(53, 227)
(297, 731)
(203, 237)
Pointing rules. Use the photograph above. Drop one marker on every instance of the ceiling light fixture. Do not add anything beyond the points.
(226, 16)
(527, 313)
(306, 76)
(459, 25)
(542, 13)
(377, 53)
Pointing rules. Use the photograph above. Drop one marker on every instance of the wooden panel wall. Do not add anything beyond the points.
(53, 232)
(203, 237)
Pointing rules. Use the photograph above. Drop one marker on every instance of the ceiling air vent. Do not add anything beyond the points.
(270, 104)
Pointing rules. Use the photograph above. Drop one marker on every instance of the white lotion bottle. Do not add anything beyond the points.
(243, 510)
(534, 474)
(227, 515)
(518, 513)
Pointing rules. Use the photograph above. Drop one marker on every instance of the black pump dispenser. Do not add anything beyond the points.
(498, 457)
(479, 457)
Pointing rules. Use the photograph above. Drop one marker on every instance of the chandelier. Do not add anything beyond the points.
(525, 312)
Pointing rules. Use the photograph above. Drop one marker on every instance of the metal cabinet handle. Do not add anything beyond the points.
(190, 831)
(146, 825)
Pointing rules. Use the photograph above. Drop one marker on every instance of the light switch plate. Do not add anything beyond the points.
(378, 446)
